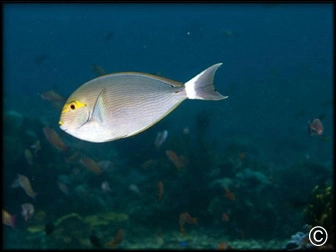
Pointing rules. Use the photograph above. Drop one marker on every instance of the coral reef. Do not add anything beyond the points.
(73, 230)
(320, 211)
(299, 241)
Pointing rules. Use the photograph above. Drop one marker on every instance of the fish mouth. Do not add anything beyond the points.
(61, 125)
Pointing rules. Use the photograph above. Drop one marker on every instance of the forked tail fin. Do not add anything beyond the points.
(202, 87)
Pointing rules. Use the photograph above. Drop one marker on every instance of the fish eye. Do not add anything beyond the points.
(72, 106)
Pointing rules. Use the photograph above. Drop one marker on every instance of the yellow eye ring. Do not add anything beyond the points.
(72, 106)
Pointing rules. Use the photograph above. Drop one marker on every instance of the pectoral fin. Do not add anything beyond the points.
(99, 109)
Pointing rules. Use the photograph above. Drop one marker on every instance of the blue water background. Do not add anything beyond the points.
(280, 62)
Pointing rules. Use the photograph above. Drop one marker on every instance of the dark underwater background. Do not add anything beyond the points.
(278, 73)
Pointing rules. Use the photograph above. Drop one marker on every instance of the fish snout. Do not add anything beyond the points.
(62, 126)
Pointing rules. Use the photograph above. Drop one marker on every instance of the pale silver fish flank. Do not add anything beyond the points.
(120, 105)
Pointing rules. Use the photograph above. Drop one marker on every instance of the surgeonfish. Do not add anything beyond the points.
(123, 104)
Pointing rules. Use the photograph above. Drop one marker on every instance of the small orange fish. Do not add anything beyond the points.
(52, 95)
(29, 156)
(56, 100)
(54, 139)
(149, 164)
(118, 238)
(223, 246)
(72, 157)
(225, 217)
(186, 218)
(175, 159)
(23, 182)
(229, 194)
(91, 165)
(160, 190)
(315, 127)
(8, 219)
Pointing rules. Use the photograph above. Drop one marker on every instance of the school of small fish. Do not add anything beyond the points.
(92, 114)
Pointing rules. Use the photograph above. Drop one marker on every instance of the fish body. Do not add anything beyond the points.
(186, 218)
(135, 188)
(54, 139)
(105, 186)
(29, 156)
(28, 211)
(160, 139)
(229, 194)
(36, 147)
(8, 219)
(175, 159)
(117, 239)
(24, 182)
(315, 127)
(91, 165)
(52, 96)
(56, 100)
(120, 105)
